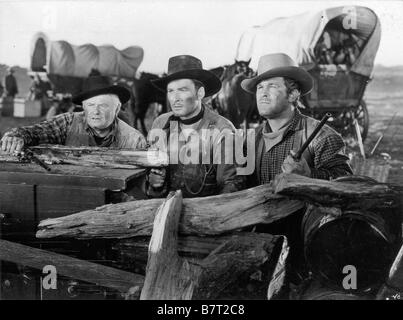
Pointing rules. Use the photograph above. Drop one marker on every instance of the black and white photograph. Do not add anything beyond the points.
(217, 151)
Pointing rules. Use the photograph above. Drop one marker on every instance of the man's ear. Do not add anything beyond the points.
(294, 95)
(118, 109)
(201, 93)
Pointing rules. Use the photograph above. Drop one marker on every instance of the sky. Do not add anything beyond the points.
(209, 30)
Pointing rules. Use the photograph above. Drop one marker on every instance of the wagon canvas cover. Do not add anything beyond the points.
(65, 59)
(298, 35)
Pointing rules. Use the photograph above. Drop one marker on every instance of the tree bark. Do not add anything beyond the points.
(201, 216)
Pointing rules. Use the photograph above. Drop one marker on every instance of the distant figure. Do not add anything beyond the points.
(39, 91)
(11, 84)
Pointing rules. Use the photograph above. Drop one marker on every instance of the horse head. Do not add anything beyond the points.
(243, 67)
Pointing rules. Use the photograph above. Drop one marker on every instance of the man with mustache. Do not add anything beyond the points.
(186, 84)
(97, 125)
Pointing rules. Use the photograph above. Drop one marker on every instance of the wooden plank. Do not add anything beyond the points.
(17, 200)
(202, 216)
(57, 201)
(70, 267)
(96, 156)
(68, 175)
(168, 277)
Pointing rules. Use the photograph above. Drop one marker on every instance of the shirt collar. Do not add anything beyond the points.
(292, 125)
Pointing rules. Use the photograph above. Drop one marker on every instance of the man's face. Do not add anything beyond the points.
(101, 111)
(271, 98)
(182, 96)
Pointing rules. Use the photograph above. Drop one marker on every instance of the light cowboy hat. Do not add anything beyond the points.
(189, 67)
(97, 85)
(279, 65)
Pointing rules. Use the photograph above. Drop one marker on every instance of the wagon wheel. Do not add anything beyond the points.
(347, 119)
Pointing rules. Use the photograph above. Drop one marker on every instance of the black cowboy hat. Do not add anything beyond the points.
(97, 85)
(189, 67)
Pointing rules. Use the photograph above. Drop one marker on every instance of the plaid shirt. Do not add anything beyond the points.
(325, 156)
(50, 132)
(55, 131)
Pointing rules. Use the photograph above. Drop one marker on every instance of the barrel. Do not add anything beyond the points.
(363, 242)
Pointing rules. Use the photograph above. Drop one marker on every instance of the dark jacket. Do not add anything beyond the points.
(200, 179)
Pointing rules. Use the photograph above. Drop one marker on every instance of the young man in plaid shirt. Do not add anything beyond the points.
(278, 86)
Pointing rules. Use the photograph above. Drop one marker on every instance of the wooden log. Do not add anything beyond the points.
(70, 267)
(224, 267)
(342, 194)
(134, 251)
(393, 288)
(168, 276)
(96, 156)
(201, 216)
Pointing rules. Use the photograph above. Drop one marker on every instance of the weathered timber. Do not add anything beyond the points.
(202, 216)
(189, 246)
(393, 288)
(70, 267)
(225, 266)
(343, 194)
(68, 175)
(96, 156)
(167, 275)
(134, 251)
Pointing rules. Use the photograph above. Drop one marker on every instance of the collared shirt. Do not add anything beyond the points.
(325, 155)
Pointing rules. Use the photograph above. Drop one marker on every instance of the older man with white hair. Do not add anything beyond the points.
(97, 125)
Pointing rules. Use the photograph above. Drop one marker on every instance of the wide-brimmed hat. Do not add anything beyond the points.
(279, 65)
(97, 85)
(189, 67)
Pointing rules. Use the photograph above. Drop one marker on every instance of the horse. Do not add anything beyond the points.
(145, 93)
(232, 101)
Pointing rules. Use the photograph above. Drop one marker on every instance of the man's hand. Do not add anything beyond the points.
(291, 165)
(156, 177)
(12, 145)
